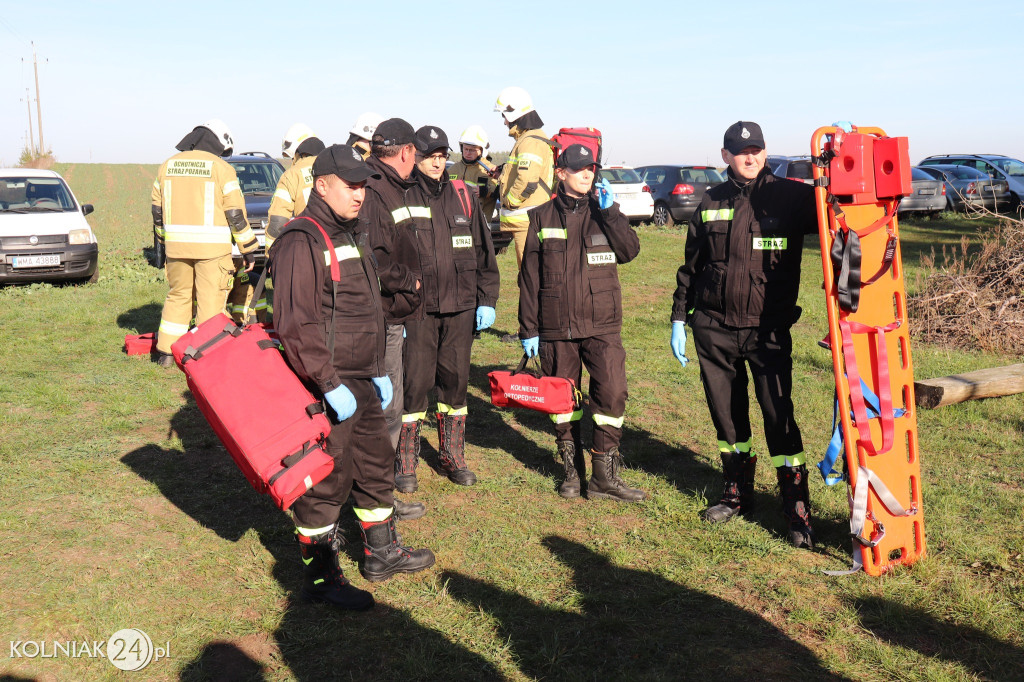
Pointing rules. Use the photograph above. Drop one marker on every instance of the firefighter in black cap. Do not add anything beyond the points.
(460, 289)
(737, 289)
(333, 334)
(570, 312)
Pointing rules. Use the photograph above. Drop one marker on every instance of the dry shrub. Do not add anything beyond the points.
(975, 298)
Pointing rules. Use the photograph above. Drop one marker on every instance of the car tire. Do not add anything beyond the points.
(662, 215)
(93, 278)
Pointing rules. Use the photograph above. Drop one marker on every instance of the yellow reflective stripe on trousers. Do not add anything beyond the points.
(789, 460)
(310, 532)
(173, 328)
(373, 515)
(198, 234)
(552, 233)
(160, 232)
(452, 411)
(735, 447)
(413, 417)
(342, 252)
(716, 214)
(567, 417)
(605, 420)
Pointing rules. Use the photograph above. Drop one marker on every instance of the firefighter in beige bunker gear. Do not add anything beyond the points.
(476, 169)
(460, 290)
(527, 178)
(333, 334)
(359, 137)
(198, 210)
(737, 289)
(570, 305)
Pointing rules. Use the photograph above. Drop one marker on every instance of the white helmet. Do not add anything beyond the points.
(296, 135)
(220, 129)
(513, 102)
(366, 124)
(474, 135)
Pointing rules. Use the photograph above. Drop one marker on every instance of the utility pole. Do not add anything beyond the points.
(31, 137)
(39, 108)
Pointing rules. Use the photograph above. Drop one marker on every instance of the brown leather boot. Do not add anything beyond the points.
(605, 483)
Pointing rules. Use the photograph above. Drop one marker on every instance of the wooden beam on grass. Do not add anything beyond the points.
(983, 383)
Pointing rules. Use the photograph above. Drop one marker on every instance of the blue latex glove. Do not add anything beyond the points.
(484, 317)
(531, 346)
(678, 342)
(385, 390)
(605, 195)
(342, 402)
(845, 125)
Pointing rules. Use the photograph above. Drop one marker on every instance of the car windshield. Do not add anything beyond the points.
(701, 176)
(27, 194)
(968, 173)
(621, 176)
(1010, 166)
(257, 178)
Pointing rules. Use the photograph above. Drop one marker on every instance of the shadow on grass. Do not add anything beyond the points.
(635, 625)
(315, 642)
(917, 629)
(145, 318)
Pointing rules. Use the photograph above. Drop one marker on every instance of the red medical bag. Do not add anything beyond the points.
(140, 344)
(279, 449)
(526, 388)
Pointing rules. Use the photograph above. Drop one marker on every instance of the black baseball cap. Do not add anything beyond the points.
(577, 157)
(429, 138)
(393, 131)
(345, 162)
(743, 134)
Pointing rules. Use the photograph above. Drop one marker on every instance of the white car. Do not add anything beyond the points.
(43, 232)
(632, 194)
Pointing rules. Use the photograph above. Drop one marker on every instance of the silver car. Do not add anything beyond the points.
(968, 188)
(996, 166)
(929, 195)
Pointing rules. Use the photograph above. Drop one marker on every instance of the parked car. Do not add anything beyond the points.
(929, 194)
(258, 174)
(996, 166)
(43, 232)
(677, 190)
(793, 167)
(631, 193)
(968, 187)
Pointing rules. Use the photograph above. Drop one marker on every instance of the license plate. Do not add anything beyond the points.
(627, 195)
(927, 191)
(42, 261)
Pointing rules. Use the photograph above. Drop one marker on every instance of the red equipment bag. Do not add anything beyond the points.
(588, 137)
(140, 344)
(530, 389)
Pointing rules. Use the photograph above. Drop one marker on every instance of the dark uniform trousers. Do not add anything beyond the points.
(364, 463)
(605, 359)
(724, 353)
(437, 354)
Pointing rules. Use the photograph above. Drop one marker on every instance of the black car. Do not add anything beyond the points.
(258, 174)
(678, 190)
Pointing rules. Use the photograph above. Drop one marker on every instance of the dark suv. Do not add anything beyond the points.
(995, 166)
(678, 190)
(258, 174)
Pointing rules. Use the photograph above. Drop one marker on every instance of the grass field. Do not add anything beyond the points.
(119, 509)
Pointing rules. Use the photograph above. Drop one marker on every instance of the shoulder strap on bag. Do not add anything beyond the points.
(462, 192)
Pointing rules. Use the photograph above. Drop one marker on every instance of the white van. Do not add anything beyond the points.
(43, 232)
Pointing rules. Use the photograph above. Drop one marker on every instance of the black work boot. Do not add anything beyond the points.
(452, 436)
(570, 487)
(323, 580)
(733, 472)
(796, 504)
(409, 511)
(385, 556)
(163, 359)
(605, 483)
(407, 456)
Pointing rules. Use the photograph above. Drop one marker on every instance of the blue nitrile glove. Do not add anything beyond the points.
(845, 125)
(342, 401)
(678, 342)
(484, 317)
(385, 390)
(531, 346)
(605, 195)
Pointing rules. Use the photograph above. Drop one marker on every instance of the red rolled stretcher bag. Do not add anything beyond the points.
(140, 344)
(278, 450)
(530, 389)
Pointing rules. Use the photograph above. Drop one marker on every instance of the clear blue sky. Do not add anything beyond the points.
(124, 81)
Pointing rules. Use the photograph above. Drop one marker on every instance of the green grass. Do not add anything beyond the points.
(119, 509)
